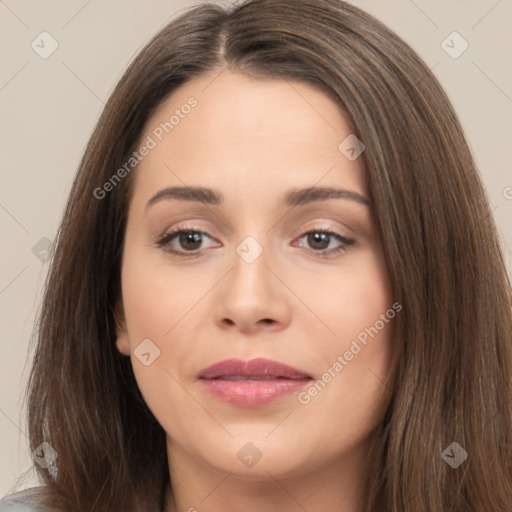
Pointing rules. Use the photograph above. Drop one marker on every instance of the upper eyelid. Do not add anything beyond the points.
(179, 228)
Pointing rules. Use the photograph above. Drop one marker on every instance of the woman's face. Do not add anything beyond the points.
(248, 281)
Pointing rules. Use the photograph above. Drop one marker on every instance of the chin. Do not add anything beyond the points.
(260, 460)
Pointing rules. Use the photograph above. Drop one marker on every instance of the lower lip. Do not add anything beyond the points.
(252, 393)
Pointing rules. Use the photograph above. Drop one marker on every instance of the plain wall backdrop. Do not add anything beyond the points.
(50, 103)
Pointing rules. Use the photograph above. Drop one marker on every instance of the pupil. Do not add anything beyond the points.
(321, 238)
(190, 237)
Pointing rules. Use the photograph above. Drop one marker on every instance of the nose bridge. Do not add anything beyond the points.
(250, 273)
(250, 249)
(251, 293)
(252, 238)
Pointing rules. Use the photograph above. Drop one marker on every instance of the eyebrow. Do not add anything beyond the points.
(294, 197)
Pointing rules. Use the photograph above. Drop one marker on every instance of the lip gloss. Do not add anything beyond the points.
(251, 392)
(253, 382)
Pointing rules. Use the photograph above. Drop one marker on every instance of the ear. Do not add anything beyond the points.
(122, 342)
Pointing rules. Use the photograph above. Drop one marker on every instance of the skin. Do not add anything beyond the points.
(252, 141)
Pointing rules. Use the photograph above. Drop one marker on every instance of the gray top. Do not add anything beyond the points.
(23, 501)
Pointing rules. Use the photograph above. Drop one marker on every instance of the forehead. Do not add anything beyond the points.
(248, 136)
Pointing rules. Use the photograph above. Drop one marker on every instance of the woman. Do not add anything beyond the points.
(338, 334)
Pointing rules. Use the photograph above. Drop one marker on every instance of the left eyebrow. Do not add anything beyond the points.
(298, 197)
(294, 197)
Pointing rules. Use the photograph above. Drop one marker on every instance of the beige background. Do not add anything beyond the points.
(49, 107)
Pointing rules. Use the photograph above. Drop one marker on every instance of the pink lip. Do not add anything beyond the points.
(251, 383)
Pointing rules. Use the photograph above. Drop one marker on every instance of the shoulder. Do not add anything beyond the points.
(23, 501)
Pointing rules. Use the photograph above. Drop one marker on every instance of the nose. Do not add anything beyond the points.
(252, 297)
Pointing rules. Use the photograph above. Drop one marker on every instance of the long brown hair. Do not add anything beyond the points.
(454, 336)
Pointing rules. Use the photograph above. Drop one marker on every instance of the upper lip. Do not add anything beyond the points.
(259, 367)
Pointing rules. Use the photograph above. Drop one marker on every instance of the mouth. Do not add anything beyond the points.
(252, 383)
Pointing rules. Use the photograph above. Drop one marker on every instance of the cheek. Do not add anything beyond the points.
(348, 300)
(353, 384)
(157, 295)
(158, 301)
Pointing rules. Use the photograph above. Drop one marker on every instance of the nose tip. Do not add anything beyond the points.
(265, 321)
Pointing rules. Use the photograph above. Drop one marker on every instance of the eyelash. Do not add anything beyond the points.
(164, 240)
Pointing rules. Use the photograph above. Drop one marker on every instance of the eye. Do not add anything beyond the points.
(189, 240)
(320, 240)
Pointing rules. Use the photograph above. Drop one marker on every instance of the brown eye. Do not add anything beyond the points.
(319, 241)
(187, 242)
(190, 240)
(182, 241)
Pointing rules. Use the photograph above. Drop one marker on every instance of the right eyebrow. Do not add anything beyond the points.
(198, 194)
